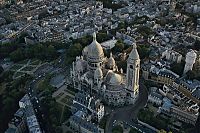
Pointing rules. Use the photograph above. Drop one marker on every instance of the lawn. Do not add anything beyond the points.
(67, 100)
(70, 92)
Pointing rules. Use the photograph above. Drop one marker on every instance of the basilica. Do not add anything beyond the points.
(98, 75)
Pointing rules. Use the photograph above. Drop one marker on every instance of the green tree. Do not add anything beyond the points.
(17, 55)
(102, 37)
(178, 68)
(117, 129)
(119, 47)
(1, 69)
(133, 130)
(143, 51)
(73, 51)
(51, 51)
(191, 74)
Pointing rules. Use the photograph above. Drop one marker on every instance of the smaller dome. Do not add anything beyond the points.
(115, 79)
(85, 51)
(111, 61)
(98, 73)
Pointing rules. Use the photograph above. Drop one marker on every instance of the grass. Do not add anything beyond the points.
(152, 108)
(70, 92)
(67, 100)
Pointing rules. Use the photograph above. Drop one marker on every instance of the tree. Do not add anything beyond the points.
(102, 37)
(1, 69)
(191, 74)
(143, 51)
(110, 5)
(197, 45)
(144, 31)
(122, 25)
(162, 131)
(43, 14)
(17, 55)
(103, 121)
(178, 68)
(75, 50)
(117, 129)
(119, 47)
(133, 130)
(68, 132)
(51, 51)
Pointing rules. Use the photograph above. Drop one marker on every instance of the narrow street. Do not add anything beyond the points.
(128, 113)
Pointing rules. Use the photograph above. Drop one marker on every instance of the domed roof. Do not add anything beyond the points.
(95, 49)
(111, 61)
(134, 53)
(115, 79)
(191, 54)
(98, 73)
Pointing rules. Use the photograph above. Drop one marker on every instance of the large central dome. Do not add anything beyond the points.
(94, 49)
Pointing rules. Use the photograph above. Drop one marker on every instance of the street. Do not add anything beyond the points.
(128, 114)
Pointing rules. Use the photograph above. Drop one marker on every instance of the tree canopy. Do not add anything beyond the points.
(117, 129)
(1, 69)
(178, 68)
(119, 47)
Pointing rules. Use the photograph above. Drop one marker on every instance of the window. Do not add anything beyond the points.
(131, 66)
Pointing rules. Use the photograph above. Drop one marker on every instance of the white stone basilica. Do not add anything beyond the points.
(98, 75)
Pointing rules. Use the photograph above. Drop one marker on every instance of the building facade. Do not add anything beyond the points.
(189, 61)
(95, 73)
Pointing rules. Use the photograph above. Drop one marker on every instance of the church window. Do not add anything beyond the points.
(131, 66)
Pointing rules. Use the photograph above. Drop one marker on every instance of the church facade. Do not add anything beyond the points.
(98, 75)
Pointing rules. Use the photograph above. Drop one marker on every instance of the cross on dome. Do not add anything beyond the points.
(134, 45)
(94, 36)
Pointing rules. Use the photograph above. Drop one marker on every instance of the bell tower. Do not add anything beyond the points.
(132, 74)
